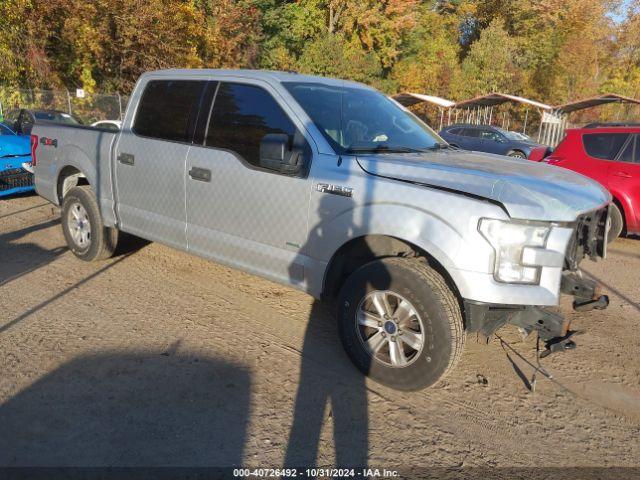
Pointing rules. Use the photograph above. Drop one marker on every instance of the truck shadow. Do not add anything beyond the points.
(18, 259)
(130, 409)
(21, 258)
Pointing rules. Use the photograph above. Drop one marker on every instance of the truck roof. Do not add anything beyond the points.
(267, 75)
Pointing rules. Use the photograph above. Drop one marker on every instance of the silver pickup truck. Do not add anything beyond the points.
(335, 189)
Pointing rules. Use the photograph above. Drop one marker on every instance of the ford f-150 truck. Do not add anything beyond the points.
(333, 188)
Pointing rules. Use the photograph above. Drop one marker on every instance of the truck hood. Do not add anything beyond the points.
(528, 190)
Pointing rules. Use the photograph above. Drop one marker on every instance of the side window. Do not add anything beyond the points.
(490, 135)
(242, 115)
(471, 132)
(627, 154)
(168, 109)
(604, 145)
(455, 131)
(26, 123)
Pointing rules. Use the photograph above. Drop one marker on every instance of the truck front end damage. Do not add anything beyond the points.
(589, 239)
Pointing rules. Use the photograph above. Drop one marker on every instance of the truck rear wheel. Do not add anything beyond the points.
(400, 323)
(82, 225)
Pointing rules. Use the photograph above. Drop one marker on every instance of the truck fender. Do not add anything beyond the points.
(75, 158)
(432, 234)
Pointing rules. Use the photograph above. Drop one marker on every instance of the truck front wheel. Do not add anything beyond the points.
(400, 323)
(82, 225)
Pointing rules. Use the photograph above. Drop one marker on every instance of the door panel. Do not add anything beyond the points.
(151, 190)
(624, 182)
(472, 139)
(150, 161)
(247, 218)
(490, 143)
(241, 214)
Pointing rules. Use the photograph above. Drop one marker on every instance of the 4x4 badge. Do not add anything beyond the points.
(335, 189)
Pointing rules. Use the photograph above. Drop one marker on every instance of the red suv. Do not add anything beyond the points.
(611, 156)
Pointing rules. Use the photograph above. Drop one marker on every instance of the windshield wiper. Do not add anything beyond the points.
(384, 148)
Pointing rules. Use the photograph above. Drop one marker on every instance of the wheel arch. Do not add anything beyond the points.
(363, 249)
(622, 207)
(69, 176)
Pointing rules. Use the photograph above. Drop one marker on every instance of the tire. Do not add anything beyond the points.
(617, 223)
(517, 154)
(431, 308)
(83, 228)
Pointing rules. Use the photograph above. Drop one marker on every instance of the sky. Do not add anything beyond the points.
(619, 16)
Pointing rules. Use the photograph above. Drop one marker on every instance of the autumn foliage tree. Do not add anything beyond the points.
(552, 50)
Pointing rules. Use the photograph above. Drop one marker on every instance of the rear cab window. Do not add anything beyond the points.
(604, 146)
(168, 109)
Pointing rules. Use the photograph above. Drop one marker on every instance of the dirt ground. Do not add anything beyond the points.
(158, 358)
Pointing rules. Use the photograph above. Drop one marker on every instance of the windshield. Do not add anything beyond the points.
(4, 130)
(513, 135)
(362, 120)
(57, 117)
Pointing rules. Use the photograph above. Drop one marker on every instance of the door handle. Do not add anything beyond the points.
(126, 159)
(622, 174)
(200, 174)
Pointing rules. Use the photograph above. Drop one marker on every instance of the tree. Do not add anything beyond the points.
(491, 65)
(330, 55)
(231, 33)
(552, 50)
(429, 62)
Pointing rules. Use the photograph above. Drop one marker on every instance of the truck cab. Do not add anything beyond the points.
(333, 188)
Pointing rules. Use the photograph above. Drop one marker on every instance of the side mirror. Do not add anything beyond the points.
(276, 153)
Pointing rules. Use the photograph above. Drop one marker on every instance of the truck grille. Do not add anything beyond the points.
(15, 178)
(589, 237)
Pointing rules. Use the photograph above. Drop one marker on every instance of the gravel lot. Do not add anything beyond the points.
(157, 358)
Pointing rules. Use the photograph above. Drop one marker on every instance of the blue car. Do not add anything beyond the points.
(15, 162)
(490, 139)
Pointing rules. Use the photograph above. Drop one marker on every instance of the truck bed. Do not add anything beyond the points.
(85, 149)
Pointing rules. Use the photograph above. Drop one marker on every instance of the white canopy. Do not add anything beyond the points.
(496, 98)
(407, 99)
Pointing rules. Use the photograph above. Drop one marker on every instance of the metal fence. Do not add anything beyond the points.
(87, 108)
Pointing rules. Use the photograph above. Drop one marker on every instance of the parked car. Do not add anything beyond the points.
(333, 188)
(490, 139)
(15, 160)
(611, 156)
(22, 120)
(114, 125)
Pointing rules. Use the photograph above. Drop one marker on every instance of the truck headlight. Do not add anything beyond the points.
(508, 240)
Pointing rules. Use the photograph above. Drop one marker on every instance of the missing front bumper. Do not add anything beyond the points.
(551, 326)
